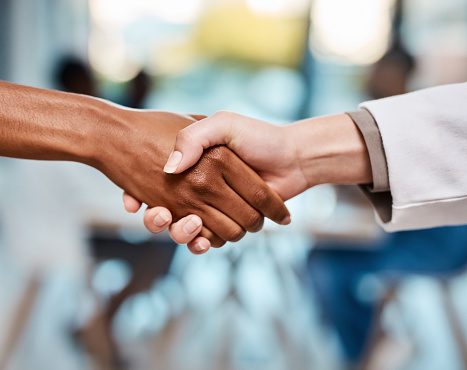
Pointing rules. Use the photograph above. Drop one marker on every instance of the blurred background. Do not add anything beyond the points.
(83, 286)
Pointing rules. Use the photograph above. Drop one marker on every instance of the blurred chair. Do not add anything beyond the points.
(376, 347)
(19, 321)
(42, 230)
(148, 261)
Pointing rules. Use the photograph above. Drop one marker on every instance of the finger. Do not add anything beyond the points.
(199, 245)
(186, 229)
(215, 240)
(132, 205)
(235, 207)
(192, 140)
(225, 228)
(246, 183)
(157, 219)
(183, 235)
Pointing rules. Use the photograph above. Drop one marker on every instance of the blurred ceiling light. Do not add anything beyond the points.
(113, 50)
(111, 12)
(357, 31)
(121, 12)
(176, 11)
(109, 57)
(282, 7)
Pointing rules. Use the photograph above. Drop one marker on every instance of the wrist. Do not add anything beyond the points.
(331, 150)
(80, 129)
(107, 129)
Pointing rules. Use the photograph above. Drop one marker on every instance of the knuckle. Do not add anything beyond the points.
(261, 198)
(183, 136)
(217, 154)
(222, 114)
(200, 182)
(255, 222)
(235, 235)
(218, 243)
(214, 239)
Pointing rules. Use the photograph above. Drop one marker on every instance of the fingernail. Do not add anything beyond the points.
(161, 218)
(201, 246)
(191, 225)
(173, 162)
(287, 220)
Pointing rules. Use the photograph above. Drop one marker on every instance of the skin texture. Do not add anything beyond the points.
(130, 147)
(43, 124)
(290, 159)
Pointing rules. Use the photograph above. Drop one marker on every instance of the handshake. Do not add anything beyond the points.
(208, 180)
(211, 180)
(206, 192)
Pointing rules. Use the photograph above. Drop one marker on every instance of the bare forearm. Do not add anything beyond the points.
(45, 124)
(331, 150)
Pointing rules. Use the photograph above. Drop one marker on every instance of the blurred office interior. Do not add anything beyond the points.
(84, 286)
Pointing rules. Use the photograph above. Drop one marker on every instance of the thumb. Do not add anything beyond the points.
(192, 140)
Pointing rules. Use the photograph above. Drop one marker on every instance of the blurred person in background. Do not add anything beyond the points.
(138, 90)
(391, 74)
(75, 76)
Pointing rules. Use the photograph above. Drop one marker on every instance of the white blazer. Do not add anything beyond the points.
(424, 135)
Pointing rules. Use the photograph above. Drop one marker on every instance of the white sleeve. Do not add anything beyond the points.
(424, 136)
